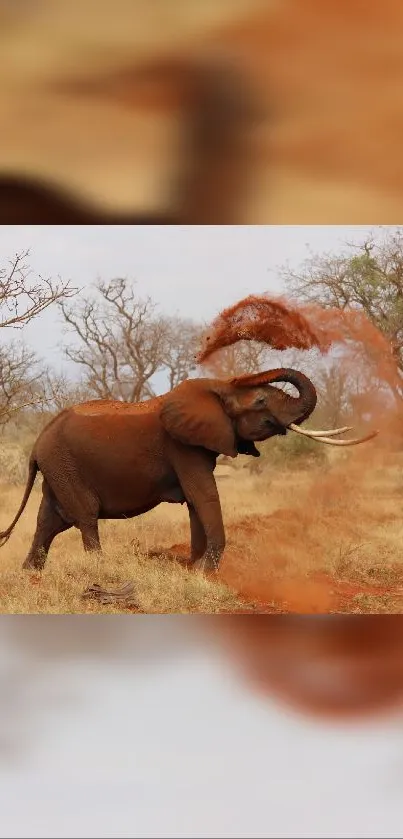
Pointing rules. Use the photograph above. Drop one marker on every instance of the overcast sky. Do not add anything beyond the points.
(190, 271)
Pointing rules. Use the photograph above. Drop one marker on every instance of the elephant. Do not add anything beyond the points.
(112, 460)
(219, 107)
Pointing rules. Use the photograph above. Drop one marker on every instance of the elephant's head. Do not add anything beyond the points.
(227, 417)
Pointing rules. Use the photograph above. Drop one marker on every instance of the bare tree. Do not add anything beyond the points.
(60, 392)
(238, 359)
(21, 298)
(182, 339)
(20, 377)
(123, 342)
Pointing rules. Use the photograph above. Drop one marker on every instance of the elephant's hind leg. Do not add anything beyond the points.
(90, 535)
(49, 524)
(79, 503)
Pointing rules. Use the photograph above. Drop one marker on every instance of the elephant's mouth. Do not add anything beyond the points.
(270, 429)
(276, 427)
(247, 447)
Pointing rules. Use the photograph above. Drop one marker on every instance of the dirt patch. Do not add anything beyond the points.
(256, 565)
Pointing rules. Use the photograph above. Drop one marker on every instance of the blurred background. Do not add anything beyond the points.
(140, 726)
(329, 75)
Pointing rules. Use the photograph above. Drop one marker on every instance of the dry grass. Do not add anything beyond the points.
(311, 539)
(161, 585)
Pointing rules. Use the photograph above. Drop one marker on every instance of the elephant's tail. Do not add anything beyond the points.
(33, 469)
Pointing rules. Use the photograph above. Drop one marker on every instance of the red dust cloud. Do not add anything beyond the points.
(339, 666)
(261, 318)
(283, 325)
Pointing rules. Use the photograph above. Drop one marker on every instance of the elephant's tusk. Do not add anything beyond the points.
(354, 442)
(331, 433)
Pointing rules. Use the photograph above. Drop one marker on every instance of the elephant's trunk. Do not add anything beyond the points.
(304, 403)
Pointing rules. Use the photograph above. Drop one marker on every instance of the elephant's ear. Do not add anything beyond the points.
(194, 415)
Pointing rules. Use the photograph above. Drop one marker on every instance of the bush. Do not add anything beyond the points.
(13, 464)
(293, 448)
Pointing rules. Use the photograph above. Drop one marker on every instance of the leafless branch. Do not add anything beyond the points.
(122, 342)
(23, 298)
(20, 382)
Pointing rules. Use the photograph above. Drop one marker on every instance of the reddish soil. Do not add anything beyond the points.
(315, 594)
(247, 569)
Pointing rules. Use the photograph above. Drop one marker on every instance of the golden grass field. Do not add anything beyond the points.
(313, 539)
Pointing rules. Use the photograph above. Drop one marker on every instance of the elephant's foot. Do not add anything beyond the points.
(35, 562)
(29, 566)
(209, 564)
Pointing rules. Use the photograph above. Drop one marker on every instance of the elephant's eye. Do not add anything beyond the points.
(260, 401)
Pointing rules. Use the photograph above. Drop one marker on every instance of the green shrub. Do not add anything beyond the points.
(293, 448)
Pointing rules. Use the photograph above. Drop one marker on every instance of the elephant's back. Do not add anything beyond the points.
(103, 428)
(114, 408)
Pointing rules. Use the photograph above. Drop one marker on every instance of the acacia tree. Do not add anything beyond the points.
(60, 392)
(181, 342)
(20, 378)
(123, 342)
(23, 296)
(367, 278)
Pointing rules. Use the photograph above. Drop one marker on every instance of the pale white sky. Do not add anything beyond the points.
(191, 271)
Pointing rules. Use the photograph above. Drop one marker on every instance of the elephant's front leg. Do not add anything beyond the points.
(206, 527)
(195, 472)
(198, 541)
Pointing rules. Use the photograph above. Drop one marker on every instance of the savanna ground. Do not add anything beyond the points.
(321, 536)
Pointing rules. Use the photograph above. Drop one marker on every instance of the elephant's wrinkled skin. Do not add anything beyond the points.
(112, 460)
